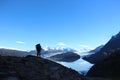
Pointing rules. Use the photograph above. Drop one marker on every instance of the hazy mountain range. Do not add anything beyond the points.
(12, 52)
(48, 51)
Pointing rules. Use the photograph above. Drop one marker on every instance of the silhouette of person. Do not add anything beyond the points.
(38, 49)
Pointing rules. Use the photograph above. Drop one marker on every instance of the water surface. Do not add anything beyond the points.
(79, 65)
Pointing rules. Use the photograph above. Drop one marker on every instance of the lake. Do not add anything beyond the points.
(79, 65)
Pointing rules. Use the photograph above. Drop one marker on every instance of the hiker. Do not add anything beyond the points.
(38, 49)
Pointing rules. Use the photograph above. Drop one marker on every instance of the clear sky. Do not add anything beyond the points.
(69, 23)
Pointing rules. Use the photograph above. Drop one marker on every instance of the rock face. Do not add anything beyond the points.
(66, 57)
(34, 68)
(112, 44)
(109, 68)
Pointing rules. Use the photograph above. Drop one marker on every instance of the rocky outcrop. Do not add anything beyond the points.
(34, 68)
(109, 68)
(65, 57)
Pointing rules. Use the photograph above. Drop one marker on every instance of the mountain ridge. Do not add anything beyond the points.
(96, 49)
(105, 52)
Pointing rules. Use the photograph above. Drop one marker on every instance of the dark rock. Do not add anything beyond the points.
(34, 68)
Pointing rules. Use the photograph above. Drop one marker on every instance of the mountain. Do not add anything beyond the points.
(12, 52)
(96, 49)
(99, 56)
(108, 68)
(34, 68)
(112, 44)
(65, 57)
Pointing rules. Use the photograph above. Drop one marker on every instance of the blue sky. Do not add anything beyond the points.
(55, 23)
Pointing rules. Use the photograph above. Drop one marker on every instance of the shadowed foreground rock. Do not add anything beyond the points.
(34, 68)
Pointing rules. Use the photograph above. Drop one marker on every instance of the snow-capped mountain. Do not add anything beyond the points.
(48, 51)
